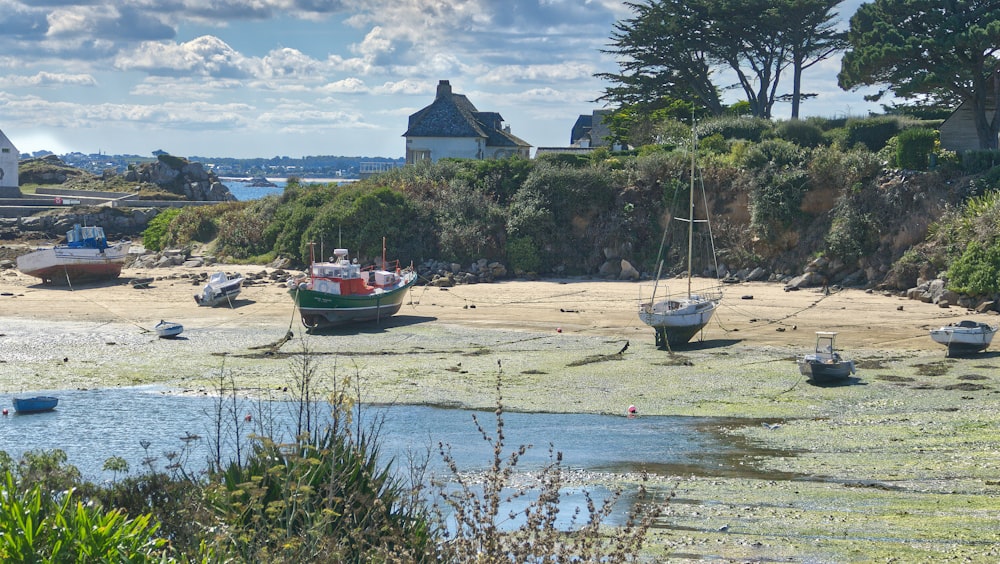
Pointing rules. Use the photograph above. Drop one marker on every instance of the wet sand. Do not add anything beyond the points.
(903, 461)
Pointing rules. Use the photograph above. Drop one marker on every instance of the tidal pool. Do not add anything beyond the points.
(152, 426)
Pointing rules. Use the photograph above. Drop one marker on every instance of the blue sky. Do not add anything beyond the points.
(264, 78)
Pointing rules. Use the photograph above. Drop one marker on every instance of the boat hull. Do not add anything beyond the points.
(964, 338)
(322, 309)
(677, 326)
(168, 330)
(35, 405)
(821, 372)
(59, 264)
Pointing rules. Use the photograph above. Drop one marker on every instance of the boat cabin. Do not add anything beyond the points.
(342, 277)
(86, 237)
(825, 345)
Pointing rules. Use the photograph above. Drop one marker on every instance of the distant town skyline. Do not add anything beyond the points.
(264, 78)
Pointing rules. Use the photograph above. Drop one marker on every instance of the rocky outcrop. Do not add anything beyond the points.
(47, 170)
(936, 292)
(183, 177)
(117, 223)
(447, 274)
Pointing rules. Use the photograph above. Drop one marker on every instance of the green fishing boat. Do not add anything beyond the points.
(340, 291)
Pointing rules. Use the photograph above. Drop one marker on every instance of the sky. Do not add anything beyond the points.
(267, 78)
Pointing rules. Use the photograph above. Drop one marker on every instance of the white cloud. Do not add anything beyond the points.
(42, 79)
(204, 56)
(350, 85)
(406, 86)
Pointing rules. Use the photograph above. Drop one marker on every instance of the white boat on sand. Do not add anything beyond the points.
(676, 319)
(221, 289)
(86, 255)
(168, 329)
(965, 337)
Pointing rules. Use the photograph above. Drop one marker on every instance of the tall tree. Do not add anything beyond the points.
(746, 36)
(662, 54)
(673, 48)
(812, 36)
(926, 49)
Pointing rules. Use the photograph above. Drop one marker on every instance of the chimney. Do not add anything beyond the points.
(444, 89)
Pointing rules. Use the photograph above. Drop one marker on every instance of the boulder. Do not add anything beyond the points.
(628, 272)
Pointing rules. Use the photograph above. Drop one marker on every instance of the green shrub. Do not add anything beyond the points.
(470, 222)
(979, 161)
(873, 132)
(851, 234)
(731, 127)
(831, 168)
(776, 204)
(157, 230)
(523, 255)
(827, 124)
(977, 271)
(988, 182)
(776, 153)
(197, 224)
(714, 143)
(36, 526)
(913, 148)
(802, 133)
(241, 229)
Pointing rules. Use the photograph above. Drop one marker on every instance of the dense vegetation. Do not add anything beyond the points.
(780, 195)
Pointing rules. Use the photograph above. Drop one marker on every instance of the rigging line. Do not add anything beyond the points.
(770, 321)
(112, 312)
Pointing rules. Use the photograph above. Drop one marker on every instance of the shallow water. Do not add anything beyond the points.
(93, 425)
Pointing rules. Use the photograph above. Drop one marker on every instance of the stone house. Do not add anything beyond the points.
(591, 130)
(452, 127)
(9, 186)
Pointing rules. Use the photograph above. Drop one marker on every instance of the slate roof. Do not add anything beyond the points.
(453, 115)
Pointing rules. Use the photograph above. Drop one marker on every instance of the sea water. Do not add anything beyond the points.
(150, 424)
(240, 187)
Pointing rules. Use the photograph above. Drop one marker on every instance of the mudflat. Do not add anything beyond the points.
(902, 461)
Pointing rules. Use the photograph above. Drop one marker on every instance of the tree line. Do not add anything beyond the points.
(928, 53)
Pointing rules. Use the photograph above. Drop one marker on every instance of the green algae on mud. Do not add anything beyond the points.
(902, 462)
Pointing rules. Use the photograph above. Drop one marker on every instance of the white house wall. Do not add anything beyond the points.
(8, 163)
(447, 147)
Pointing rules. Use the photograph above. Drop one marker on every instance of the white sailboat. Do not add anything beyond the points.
(676, 319)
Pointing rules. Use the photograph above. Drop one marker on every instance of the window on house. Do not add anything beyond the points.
(6, 149)
(413, 157)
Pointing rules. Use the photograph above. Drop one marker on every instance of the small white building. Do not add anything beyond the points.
(8, 163)
(451, 127)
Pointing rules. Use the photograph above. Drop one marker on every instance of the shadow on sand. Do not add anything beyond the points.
(850, 381)
(705, 345)
(371, 327)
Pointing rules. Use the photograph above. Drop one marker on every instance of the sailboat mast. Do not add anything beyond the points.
(694, 151)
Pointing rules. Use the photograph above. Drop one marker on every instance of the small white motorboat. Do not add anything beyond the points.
(825, 365)
(168, 329)
(221, 289)
(964, 337)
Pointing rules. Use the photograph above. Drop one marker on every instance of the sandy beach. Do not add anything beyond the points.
(904, 462)
(445, 342)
